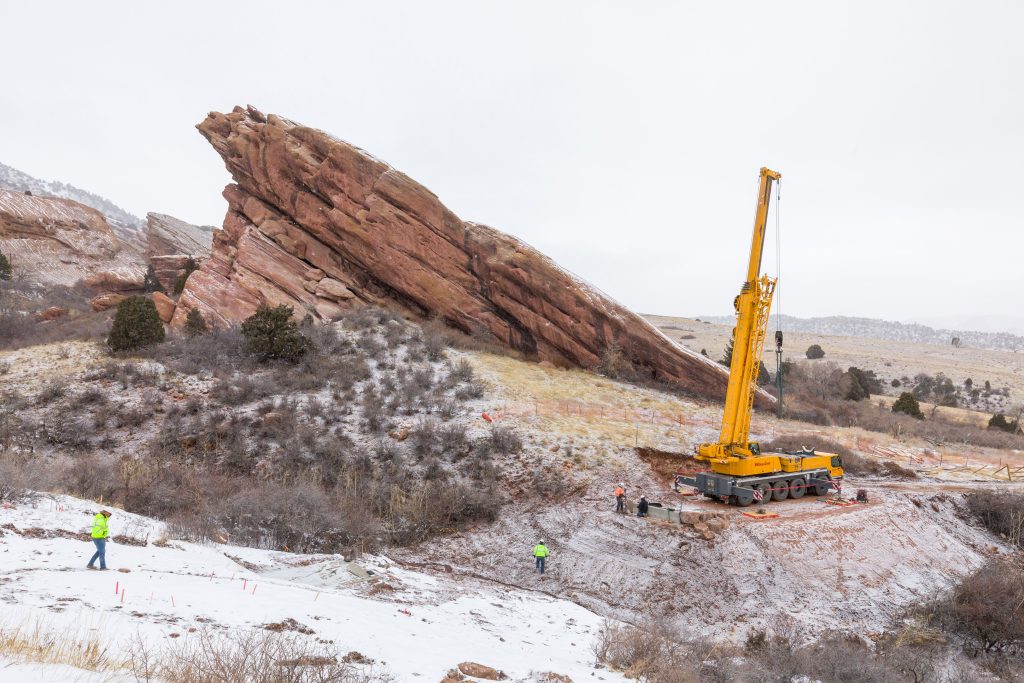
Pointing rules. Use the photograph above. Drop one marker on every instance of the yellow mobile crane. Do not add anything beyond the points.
(740, 472)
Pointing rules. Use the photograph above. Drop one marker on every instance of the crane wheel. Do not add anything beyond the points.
(780, 490)
(821, 489)
(741, 501)
(797, 488)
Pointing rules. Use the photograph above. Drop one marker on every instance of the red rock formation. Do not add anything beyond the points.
(164, 306)
(167, 235)
(105, 302)
(51, 313)
(53, 241)
(322, 226)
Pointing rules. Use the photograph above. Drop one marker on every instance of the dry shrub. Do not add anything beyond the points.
(1002, 513)
(247, 656)
(987, 608)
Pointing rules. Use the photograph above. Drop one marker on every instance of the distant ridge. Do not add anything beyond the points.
(846, 326)
(128, 228)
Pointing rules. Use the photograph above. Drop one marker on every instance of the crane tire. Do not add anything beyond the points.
(797, 488)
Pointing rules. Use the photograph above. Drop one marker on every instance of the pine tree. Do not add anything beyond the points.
(190, 267)
(272, 334)
(906, 403)
(136, 324)
(151, 283)
(194, 323)
(814, 352)
(5, 267)
(727, 358)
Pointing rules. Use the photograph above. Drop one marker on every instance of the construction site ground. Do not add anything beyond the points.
(814, 567)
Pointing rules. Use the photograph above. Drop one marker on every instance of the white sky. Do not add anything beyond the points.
(622, 139)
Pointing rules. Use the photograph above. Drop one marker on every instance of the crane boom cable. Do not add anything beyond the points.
(778, 255)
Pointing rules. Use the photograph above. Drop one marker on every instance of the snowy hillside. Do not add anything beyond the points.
(409, 624)
(846, 326)
(128, 228)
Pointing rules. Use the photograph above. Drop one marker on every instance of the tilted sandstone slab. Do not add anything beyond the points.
(167, 235)
(322, 226)
(54, 241)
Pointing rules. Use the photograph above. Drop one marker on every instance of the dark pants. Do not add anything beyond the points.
(540, 564)
(101, 552)
(620, 503)
(641, 513)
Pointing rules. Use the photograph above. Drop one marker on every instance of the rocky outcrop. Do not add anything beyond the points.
(164, 306)
(322, 226)
(167, 235)
(52, 241)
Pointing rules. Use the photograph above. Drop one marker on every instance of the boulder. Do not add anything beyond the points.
(480, 671)
(51, 313)
(332, 289)
(164, 306)
(125, 280)
(169, 268)
(305, 203)
(104, 302)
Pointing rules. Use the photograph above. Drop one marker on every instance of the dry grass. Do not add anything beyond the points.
(248, 656)
(34, 641)
(581, 404)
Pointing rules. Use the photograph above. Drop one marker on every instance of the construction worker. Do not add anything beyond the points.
(540, 551)
(620, 498)
(100, 531)
(641, 507)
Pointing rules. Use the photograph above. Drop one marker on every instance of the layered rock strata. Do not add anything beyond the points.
(51, 241)
(320, 225)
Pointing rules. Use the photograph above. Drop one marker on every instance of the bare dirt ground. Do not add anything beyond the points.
(815, 567)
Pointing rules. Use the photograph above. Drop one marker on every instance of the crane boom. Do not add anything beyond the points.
(752, 307)
(739, 472)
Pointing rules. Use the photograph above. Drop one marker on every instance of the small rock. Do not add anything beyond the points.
(105, 302)
(51, 313)
(480, 671)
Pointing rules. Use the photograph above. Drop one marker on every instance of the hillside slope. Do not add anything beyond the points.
(409, 624)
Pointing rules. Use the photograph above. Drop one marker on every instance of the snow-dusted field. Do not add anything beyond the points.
(415, 626)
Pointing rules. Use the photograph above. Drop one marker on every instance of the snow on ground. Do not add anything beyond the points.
(412, 624)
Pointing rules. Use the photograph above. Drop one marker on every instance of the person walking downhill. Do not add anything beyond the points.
(540, 552)
(100, 531)
(620, 498)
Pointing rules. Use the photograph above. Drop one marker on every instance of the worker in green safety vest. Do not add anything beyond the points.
(540, 552)
(100, 531)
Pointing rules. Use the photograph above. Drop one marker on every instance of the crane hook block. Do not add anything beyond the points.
(778, 339)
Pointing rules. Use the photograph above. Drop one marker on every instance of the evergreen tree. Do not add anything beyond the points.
(190, 267)
(272, 334)
(5, 268)
(151, 284)
(727, 358)
(814, 352)
(136, 324)
(906, 403)
(194, 323)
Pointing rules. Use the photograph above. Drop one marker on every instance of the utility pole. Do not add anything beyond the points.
(778, 371)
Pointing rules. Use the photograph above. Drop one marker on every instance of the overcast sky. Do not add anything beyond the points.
(622, 139)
